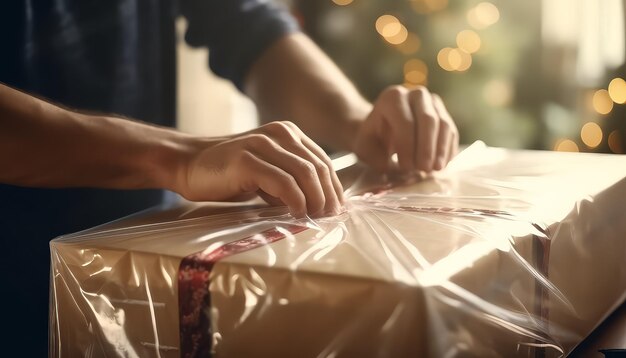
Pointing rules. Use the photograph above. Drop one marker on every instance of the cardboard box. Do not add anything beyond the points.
(506, 253)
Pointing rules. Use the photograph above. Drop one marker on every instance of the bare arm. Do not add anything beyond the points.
(48, 146)
(44, 145)
(295, 80)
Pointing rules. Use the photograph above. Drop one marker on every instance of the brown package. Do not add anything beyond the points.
(506, 253)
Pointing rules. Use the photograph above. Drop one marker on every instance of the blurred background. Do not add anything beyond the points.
(538, 74)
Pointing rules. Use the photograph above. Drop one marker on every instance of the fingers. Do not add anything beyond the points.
(282, 146)
(373, 143)
(427, 123)
(423, 133)
(293, 140)
(448, 141)
(262, 175)
(395, 111)
(323, 163)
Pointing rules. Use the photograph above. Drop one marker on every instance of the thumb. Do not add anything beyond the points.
(374, 151)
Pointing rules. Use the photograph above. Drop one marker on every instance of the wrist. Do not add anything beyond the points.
(175, 157)
(350, 126)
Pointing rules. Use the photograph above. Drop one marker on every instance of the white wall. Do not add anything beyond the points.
(207, 104)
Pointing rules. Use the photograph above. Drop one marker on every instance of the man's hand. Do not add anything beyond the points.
(415, 124)
(294, 79)
(47, 146)
(275, 160)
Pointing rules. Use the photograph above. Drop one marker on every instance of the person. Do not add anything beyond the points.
(74, 71)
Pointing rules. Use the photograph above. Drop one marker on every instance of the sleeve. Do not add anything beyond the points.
(235, 31)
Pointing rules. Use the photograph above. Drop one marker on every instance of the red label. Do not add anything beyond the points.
(193, 287)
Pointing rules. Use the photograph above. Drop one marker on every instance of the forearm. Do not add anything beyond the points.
(47, 146)
(294, 80)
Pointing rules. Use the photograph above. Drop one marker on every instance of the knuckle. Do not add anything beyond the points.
(419, 91)
(322, 167)
(259, 141)
(455, 129)
(452, 129)
(429, 120)
(394, 92)
(307, 169)
(278, 128)
(288, 124)
(289, 182)
(445, 126)
(286, 182)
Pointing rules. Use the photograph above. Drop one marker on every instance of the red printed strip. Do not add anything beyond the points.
(193, 287)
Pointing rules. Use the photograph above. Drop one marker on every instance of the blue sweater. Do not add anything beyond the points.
(111, 56)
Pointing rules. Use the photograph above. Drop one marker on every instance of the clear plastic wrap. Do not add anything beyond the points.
(505, 253)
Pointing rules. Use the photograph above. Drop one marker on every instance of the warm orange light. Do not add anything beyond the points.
(343, 2)
(483, 15)
(615, 142)
(415, 72)
(617, 90)
(455, 58)
(602, 102)
(566, 145)
(442, 59)
(466, 60)
(398, 37)
(385, 20)
(391, 29)
(468, 41)
(591, 134)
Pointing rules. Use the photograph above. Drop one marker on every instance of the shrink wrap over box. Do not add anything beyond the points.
(505, 253)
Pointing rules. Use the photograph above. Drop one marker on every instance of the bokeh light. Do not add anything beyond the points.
(391, 29)
(566, 145)
(617, 90)
(415, 72)
(384, 21)
(442, 59)
(454, 59)
(602, 102)
(483, 15)
(468, 41)
(591, 134)
(615, 142)
(398, 37)
(466, 60)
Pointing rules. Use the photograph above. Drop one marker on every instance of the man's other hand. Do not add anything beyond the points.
(415, 124)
